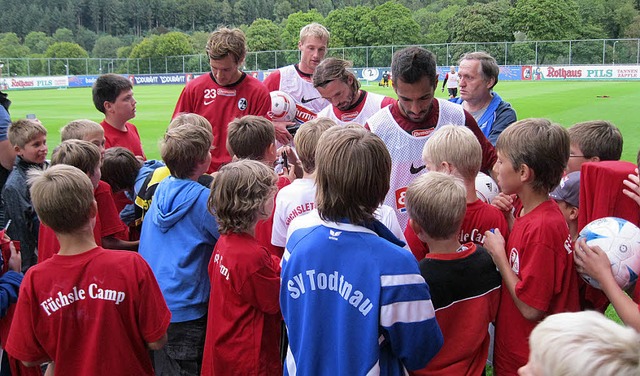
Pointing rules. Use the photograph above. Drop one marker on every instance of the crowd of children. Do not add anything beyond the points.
(158, 267)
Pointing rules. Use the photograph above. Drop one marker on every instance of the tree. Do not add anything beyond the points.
(37, 41)
(10, 46)
(263, 35)
(86, 38)
(390, 24)
(65, 55)
(633, 30)
(346, 25)
(106, 46)
(63, 35)
(482, 23)
(199, 41)
(546, 19)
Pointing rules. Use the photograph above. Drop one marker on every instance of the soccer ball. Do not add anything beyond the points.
(486, 187)
(283, 107)
(620, 240)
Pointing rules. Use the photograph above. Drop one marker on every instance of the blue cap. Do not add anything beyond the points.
(568, 190)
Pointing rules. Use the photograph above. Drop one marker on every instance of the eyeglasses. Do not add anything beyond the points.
(576, 156)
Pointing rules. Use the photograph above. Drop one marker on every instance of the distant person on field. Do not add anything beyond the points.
(593, 141)
(385, 79)
(451, 80)
(177, 240)
(225, 93)
(29, 140)
(91, 311)
(536, 262)
(582, 344)
(348, 103)
(478, 75)
(461, 276)
(244, 320)
(109, 231)
(297, 79)
(405, 126)
(353, 302)
(456, 151)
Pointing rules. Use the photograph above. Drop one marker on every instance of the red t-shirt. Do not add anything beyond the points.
(539, 250)
(222, 104)
(265, 228)
(243, 325)
(91, 313)
(129, 139)
(479, 218)
(108, 223)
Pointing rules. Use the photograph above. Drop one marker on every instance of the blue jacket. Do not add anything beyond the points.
(353, 303)
(498, 116)
(177, 240)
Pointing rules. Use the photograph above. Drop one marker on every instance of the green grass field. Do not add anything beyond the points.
(563, 102)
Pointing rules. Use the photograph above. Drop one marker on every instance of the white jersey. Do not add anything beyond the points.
(371, 104)
(308, 100)
(406, 151)
(296, 199)
(452, 80)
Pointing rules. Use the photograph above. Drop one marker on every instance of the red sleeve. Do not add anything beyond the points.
(110, 222)
(489, 156)
(153, 314)
(262, 288)
(264, 103)
(272, 82)
(184, 103)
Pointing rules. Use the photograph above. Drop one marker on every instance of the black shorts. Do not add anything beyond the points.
(453, 91)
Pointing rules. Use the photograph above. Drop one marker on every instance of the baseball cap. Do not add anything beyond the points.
(568, 190)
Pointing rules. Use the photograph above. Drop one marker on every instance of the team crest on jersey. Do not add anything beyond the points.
(400, 200)
(422, 132)
(514, 261)
(349, 116)
(227, 92)
(242, 104)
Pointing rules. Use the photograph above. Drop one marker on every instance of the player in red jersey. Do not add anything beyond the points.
(225, 93)
(337, 84)
(297, 79)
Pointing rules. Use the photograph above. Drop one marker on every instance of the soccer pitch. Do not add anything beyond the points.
(565, 102)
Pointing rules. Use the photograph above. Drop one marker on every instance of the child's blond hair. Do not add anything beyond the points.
(192, 119)
(22, 131)
(79, 129)
(306, 141)
(184, 147)
(437, 203)
(239, 193)
(77, 153)
(250, 137)
(62, 197)
(456, 145)
(541, 145)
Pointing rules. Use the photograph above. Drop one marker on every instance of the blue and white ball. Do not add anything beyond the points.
(620, 240)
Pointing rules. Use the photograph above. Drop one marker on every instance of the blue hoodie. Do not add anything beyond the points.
(177, 240)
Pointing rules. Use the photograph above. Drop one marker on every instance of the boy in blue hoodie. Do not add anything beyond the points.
(177, 240)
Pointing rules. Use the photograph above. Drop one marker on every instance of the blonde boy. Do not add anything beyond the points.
(84, 129)
(298, 198)
(29, 140)
(177, 239)
(245, 278)
(128, 311)
(461, 276)
(536, 263)
(456, 151)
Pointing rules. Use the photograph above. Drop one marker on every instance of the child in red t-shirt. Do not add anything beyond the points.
(85, 307)
(254, 137)
(109, 229)
(456, 151)
(244, 310)
(536, 263)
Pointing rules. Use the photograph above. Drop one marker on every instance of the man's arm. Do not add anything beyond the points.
(444, 82)
(489, 156)
(7, 154)
(505, 116)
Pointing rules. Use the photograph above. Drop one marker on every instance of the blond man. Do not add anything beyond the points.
(226, 92)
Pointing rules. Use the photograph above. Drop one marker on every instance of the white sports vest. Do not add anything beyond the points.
(406, 151)
(306, 96)
(372, 104)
